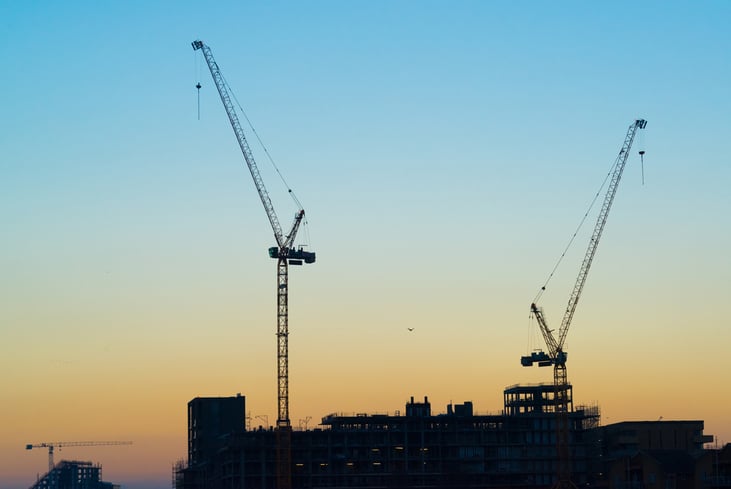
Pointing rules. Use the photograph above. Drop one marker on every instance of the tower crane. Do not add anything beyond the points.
(286, 254)
(556, 355)
(61, 444)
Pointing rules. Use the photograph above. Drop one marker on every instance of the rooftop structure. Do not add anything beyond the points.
(455, 449)
(459, 448)
(71, 474)
(209, 420)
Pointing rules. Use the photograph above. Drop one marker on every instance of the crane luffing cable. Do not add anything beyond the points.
(261, 143)
(573, 237)
(283, 242)
(253, 130)
(620, 163)
(556, 345)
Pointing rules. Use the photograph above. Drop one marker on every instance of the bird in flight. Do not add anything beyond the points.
(410, 329)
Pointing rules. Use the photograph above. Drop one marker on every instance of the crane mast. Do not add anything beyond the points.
(286, 255)
(556, 355)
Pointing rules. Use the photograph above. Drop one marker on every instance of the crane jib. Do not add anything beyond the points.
(283, 242)
(241, 138)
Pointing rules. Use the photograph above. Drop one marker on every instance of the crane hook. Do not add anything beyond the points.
(198, 86)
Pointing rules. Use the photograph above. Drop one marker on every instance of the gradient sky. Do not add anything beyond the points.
(444, 152)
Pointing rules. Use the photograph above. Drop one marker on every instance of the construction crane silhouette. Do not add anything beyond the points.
(556, 355)
(285, 253)
(61, 444)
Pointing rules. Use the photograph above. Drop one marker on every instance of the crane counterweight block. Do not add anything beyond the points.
(540, 357)
(293, 255)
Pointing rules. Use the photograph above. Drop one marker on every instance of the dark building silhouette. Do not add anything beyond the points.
(69, 474)
(632, 436)
(456, 449)
(654, 455)
(212, 421)
(720, 476)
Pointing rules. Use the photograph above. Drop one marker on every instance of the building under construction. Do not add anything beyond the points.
(416, 448)
(539, 439)
(71, 474)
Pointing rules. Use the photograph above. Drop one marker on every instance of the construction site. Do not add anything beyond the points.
(458, 448)
(541, 438)
(72, 474)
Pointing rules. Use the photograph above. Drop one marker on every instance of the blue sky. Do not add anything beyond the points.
(444, 152)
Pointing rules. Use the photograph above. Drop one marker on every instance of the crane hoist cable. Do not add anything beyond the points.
(197, 77)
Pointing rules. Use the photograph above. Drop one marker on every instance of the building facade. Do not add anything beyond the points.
(212, 424)
(654, 455)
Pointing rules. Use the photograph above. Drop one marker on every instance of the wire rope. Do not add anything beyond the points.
(531, 335)
(197, 78)
(261, 143)
(573, 237)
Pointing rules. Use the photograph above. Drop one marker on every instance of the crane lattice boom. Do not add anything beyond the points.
(619, 165)
(241, 138)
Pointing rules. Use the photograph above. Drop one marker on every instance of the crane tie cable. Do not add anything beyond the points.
(266, 151)
(583, 219)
